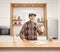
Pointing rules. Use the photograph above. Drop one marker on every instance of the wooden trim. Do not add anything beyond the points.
(45, 18)
(11, 17)
(16, 20)
(29, 48)
(28, 4)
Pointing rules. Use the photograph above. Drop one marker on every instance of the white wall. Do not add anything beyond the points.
(58, 8)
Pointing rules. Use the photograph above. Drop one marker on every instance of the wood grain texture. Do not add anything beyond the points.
(28, 45)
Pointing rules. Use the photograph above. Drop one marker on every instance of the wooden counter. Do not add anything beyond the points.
(28, 45)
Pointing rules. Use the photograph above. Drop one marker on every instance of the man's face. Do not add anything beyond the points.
(32, 18)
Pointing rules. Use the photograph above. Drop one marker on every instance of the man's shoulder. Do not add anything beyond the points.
(28, 23)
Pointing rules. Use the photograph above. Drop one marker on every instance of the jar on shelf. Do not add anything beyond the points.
(38, 20)
(19, 23)
(15, 23)
(42, 19)
(18, 17)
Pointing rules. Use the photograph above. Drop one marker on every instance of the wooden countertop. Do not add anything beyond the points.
(19, 44)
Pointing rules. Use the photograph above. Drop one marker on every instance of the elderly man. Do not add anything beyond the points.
(30, 29)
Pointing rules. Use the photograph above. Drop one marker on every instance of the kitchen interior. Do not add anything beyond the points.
(20, 16)
(13, 20)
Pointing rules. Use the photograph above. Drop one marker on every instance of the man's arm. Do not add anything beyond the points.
(22, 36)
(40, 29)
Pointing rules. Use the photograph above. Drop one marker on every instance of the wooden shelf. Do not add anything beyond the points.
(16, 20)
(16, 24)
(28, 5)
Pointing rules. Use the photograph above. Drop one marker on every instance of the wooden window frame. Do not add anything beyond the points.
(43, 5)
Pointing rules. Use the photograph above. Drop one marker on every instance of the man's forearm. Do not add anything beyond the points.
(40, 32)
(22, 36)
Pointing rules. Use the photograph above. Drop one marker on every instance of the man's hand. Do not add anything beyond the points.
(24, 40)
(41, 30)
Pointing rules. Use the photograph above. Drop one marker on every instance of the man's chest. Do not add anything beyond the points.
(31, 27)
